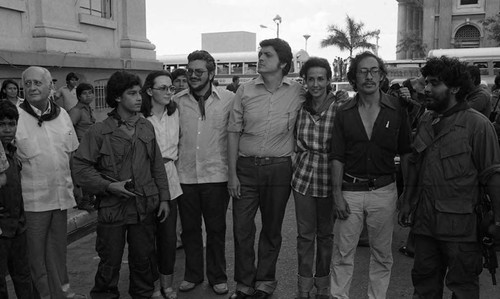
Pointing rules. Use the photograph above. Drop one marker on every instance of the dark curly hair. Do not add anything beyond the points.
(147, 99)
(353, 67)
(283, 50)
(451, 72)
(118, 83)
(8, 110)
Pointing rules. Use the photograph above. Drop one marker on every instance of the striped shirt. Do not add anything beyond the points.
(311, 173)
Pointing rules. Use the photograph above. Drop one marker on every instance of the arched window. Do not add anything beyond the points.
(467, 37)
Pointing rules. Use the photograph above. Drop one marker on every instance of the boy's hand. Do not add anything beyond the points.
(163, 210)
(118, 188)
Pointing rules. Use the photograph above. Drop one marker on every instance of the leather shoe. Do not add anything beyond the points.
(238, 295)
(186, 286)
(260, 295)
(220, 288)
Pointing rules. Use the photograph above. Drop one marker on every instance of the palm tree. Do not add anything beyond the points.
(351, 38)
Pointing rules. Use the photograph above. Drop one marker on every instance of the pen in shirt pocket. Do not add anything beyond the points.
(387, 125)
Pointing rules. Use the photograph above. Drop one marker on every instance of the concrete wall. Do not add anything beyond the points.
(55, 34)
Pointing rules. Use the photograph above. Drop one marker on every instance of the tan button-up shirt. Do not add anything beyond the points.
(203, 142)
(266, 119)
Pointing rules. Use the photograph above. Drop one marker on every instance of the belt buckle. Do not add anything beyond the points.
(259, 161)
(371, 184)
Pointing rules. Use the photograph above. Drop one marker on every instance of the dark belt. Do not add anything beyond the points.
(166, 160)
(260, 161)
(351, 183)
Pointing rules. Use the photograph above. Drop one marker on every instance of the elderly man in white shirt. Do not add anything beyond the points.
(45, 140)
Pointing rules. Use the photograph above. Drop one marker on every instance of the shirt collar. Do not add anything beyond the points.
(38, 111)
(285, 80)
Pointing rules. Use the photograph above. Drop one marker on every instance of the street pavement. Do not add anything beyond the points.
(82, 264)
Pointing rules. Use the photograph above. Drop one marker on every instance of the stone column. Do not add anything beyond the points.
(402, 28)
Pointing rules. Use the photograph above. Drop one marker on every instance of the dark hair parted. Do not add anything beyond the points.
(8, 110)
(283, 50)
(179, 73)
(82, 87)
(118, 83)
(147, 100)
(451, 72)
(3, 94)
(205, 56)
(353, 67)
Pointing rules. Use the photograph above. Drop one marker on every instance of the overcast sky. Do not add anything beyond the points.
(175, 27)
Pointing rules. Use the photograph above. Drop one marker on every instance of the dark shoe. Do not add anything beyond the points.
(322, 296)
(404, 250)
(238, 295)
(187, 286)
(260, 295)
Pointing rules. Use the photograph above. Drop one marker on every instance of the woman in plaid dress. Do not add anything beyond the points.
(311, 180)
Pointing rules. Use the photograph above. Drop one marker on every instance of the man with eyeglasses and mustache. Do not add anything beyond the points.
(369, 131)
(203, 174)
(261, 143)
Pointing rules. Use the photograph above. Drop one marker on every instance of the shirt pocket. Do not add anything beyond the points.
(285, 122)
(218, 121)
(27, 148)
(455, 158)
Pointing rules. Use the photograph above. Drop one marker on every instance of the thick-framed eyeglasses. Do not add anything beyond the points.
(197, 72)
(373, 71)
(165, 88)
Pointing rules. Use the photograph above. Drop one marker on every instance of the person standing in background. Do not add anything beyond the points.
(66, 97)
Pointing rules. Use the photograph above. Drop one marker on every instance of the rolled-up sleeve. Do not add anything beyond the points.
(235, 123)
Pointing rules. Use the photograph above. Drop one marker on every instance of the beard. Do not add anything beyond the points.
(201, 86)
(439, 103)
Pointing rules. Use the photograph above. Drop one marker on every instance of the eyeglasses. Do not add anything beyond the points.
(374, 72)
(197, 72)
(165, 88)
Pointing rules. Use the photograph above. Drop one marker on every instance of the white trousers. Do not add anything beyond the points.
(379, 207)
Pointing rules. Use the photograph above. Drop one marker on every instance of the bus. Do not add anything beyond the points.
(242, 64)
(403, 69)
(487, 59)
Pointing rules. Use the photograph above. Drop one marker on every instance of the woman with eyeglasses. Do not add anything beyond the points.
(159, 108)
(311, 180)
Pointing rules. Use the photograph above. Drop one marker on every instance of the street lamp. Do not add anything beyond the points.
(277, 20)
(377, 36)
(306, 36)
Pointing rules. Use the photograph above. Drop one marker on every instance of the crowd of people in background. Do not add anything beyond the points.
(161, 170)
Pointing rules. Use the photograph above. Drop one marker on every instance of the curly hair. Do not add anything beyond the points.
(8, 110)
(353, 67)
(452, 72)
